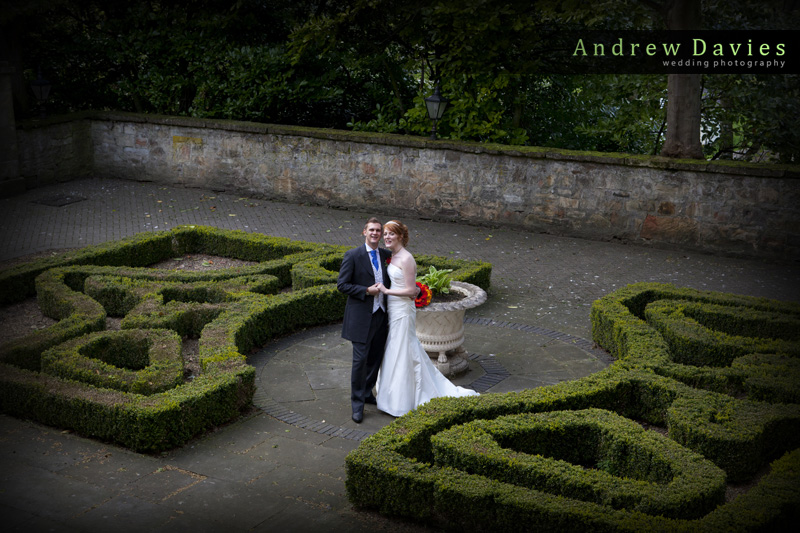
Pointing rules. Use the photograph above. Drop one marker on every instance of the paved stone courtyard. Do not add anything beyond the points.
(281, 467)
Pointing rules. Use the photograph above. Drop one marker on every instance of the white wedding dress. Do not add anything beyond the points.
(408, 378)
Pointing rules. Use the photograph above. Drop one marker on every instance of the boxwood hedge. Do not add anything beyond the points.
(144, 361)
(128, 386)
(589, 455)
(572, 457)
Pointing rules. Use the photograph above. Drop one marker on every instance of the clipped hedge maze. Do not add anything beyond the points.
(590, 455)
(129, 386)
(716, 372)
(141, 360)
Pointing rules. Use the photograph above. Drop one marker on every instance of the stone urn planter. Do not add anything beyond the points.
(440, 327)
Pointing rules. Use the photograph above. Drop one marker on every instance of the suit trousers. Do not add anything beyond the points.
(367, 357)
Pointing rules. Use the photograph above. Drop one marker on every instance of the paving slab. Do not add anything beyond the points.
(124, 512)
(281, 466)
(245, 505)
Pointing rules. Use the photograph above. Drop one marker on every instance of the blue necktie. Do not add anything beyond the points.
(374, 255)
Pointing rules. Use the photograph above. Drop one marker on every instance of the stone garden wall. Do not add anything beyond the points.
(55, 151)
(10, 183)
(729, 208)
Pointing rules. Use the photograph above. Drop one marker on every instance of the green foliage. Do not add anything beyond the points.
(694, 344)
(369, 64)
(559, 457)
(714, 345)
(589, 455)
(628, 112)
(128, 386)
(438, 281)
(138, 361)
(750, 117)
(319, 270)
(474, 272)
(381, 123)
(142, 423)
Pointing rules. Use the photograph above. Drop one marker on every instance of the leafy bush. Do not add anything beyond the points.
(438, 281)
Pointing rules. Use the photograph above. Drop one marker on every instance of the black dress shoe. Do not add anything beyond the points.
(371, 400)
(358, 417)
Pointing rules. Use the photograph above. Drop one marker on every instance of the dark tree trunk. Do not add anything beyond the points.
(683, 90)
(683, 117)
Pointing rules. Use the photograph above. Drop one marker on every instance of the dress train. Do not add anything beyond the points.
(408, 378)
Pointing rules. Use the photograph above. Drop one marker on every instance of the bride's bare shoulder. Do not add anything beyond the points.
(403, 259)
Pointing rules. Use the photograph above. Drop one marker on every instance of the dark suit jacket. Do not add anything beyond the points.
(355, 276)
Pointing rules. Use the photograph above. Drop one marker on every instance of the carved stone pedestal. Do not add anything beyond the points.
(440, 328)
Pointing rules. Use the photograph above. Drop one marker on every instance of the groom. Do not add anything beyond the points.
(365, 318)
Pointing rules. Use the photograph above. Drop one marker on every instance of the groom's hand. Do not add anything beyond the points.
(373, 290)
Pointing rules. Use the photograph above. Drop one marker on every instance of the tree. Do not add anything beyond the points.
(210, 58)
(487, 56)
(628, 111)
(683, 90)
(369, 64)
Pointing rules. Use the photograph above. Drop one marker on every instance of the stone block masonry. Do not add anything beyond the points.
(729, 208)
(53, 150)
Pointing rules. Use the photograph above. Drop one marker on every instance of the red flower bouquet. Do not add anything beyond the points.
(424, 297)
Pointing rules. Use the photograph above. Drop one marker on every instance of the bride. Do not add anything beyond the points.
(407, 377)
